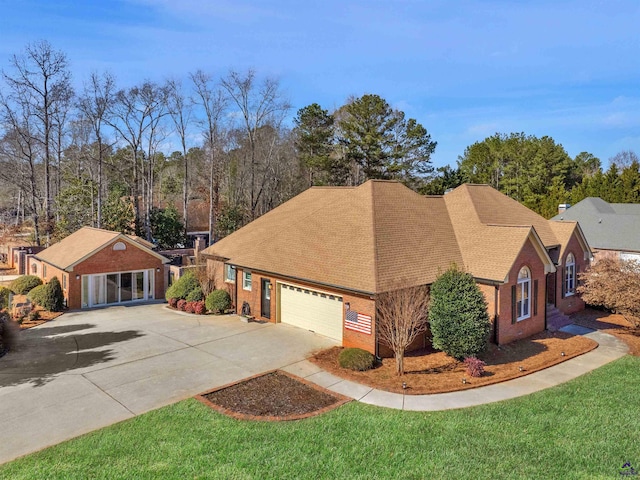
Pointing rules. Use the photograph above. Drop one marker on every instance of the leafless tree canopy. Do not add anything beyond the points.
(613, 284)
(402, 316)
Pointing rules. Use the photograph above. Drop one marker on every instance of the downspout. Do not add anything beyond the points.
(495, 316)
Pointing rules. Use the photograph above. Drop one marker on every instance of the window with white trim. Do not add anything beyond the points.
(246, 281)
(229, 274)
(570, 275)
(523, 294)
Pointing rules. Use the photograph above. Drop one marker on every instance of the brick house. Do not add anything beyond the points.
(319, 260)
(99, 267)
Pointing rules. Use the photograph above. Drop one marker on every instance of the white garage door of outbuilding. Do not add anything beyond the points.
(313, 310)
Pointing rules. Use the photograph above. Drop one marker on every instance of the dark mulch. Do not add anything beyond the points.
(274, 394)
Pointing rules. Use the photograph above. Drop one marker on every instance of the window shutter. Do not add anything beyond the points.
(535, 297)
(563, 281)
(514, 314)
(578, 281)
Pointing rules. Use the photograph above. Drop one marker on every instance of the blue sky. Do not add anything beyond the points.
(464, 69)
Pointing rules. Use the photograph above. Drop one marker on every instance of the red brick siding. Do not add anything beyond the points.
(109, 261)
(489, 292)
(572, 303)
(360, 303)
(507, 331)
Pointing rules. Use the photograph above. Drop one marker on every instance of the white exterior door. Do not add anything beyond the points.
(320, 312)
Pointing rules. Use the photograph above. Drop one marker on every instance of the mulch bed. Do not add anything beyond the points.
(612, 323)
(428, 371)
(272, 396)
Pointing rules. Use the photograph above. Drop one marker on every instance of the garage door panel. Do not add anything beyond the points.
(313, 310)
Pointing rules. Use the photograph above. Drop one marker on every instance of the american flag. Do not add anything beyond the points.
(358, 322)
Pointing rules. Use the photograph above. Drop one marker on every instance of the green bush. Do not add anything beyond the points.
(24, 284)
(4, 297)
(49, 296)
(458, 315)
(183, 286)
(218, 301)
(37, 294)
(8, 333)
(356, 359)
(54, 301)
(195, 295)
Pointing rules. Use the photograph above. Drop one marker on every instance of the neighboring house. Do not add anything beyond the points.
(319, 260)
(99, 267)
(610, 228)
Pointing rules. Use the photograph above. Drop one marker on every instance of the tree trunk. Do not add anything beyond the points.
(399, 355)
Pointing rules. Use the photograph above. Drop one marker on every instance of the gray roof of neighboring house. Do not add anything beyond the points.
(610, 226)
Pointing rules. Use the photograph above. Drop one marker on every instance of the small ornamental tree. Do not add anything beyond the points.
(402, 317)
(458, 315)
(615, 285)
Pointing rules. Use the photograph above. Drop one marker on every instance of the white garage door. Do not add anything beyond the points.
(313, 310)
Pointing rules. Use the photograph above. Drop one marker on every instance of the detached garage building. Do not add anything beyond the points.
(319, 260)
(99, 267)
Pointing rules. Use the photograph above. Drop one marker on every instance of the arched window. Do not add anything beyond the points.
(34, 268)
(119, 246)
(570, 275)
(523, 294)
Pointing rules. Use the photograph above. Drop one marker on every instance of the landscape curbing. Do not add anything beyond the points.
(609, 349)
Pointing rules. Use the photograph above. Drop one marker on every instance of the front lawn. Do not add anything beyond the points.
(587, 428)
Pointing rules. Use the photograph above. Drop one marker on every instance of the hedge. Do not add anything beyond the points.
(24, 284)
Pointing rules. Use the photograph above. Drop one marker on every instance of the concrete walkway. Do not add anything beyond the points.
(609, 349)
(87, 370)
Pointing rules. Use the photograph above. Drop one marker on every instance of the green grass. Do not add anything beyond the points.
(583, 429)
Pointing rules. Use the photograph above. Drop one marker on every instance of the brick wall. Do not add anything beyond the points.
(360, 303)
(109, 261)
(569, 304)
(508, 331)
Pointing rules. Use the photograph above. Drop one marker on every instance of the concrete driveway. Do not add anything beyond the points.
(87, 370)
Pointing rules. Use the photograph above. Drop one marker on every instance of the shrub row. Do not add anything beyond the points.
(186, 288)
(48, 296)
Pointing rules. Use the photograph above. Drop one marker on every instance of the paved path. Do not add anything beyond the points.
(87, 370)
(91, 369)
(609, 349)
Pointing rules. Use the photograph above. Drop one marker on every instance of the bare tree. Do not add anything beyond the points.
(624, 159)
(94, 104)
(401, 318)
(42, 80)
(214, 104)
(613, 284)
(134, 115)
(259, 105)
(19, 153)
(180, 110)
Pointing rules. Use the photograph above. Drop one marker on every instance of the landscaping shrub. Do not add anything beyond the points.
(199, 308)
(189, 308)
(24, 284)
(183, 286)
(195, 295)
(356, 359)
(218, 301)
(34, 315)
(7, 333)
(37, 294)
(458, 315)
(4, 297)
(54, 301)
(181, 304)
(173, 302)
(475, 366)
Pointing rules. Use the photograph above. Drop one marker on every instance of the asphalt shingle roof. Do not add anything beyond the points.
(381, 236)
(609, 226)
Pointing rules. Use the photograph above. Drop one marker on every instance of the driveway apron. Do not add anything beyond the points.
(90, 369)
